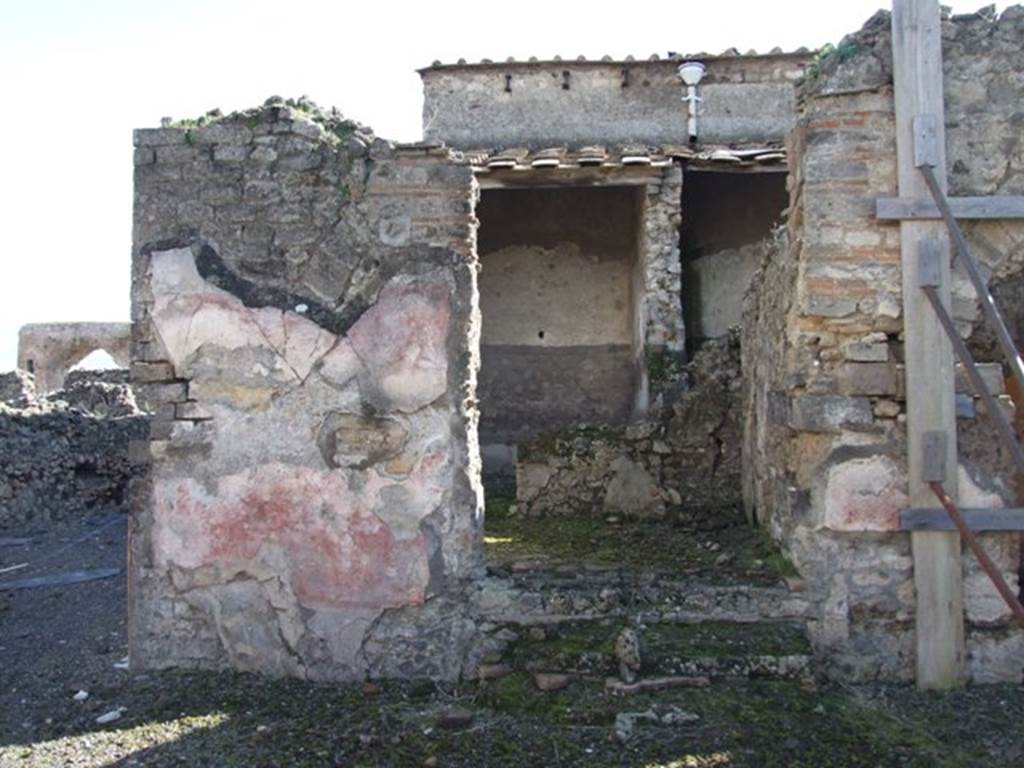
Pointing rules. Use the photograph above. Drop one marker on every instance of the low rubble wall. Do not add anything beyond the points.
(688, 456)
(66, 453)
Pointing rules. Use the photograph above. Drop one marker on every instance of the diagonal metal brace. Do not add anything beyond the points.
(984, 560)
(929, 278)
(988, 304)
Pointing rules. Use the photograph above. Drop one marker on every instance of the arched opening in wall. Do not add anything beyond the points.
(97, 360)
(726, 218)
(557, 302)
(96, 364)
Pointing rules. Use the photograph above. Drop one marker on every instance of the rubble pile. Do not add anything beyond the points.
(66, 453)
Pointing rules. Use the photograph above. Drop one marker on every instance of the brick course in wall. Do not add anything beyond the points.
(825, 440)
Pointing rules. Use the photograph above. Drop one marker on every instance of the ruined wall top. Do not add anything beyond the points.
(745, 99)
(48, 350)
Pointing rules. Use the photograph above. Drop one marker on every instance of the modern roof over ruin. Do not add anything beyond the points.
(766, 157)
(729, 53)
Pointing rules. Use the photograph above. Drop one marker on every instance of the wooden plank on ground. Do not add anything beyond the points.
(59, 579)
(936, 519)
(996, 207)
(917, 76)
(14, 542)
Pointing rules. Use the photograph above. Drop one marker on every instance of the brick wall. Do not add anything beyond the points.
(824, 407)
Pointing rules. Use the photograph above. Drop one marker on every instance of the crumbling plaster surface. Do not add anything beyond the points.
(555, 297)
(745, 99)
(306, 330)
(825, 449)
(49, 350)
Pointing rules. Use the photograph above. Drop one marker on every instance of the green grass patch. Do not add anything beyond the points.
(229, 719)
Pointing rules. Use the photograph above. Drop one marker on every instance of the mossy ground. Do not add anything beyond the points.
(727, 639)
(718, 545)
(586, 647)
(56, 641)
(577, 647)
(230, 719)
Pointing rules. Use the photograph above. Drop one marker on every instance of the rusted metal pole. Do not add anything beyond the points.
(988, 304)
(987, 565)
(995, 412)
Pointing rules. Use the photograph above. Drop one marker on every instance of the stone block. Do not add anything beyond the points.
(632, 491)
(151, 372)
(157, 137)
(191, 411)
(221, 133)
(183, 153)
(159, 432)
(230, 153)
(144, 156)
(170, 392)
(819, 305)
(828, 413)
(991, 374)
(965, 407)
(867, 352)
(865, 494)
(880, 379)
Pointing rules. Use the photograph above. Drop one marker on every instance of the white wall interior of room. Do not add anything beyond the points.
(558, 305)
(725, 216)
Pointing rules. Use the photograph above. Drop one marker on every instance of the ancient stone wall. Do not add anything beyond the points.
(659, 332)
(824, 403)
(574, 103)
(687, 457)
(65, 453)
(49, 350)
(305, 326)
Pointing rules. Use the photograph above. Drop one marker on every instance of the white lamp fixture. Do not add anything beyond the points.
(691, 73)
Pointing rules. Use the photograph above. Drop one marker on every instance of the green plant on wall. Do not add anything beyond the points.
(663, 366)
(845, 50)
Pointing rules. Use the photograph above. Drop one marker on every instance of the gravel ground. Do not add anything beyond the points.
(55, 641)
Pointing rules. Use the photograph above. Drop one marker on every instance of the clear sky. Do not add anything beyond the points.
(79, 75)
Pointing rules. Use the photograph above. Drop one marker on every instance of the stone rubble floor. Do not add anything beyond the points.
(717, 545)
(55, 641)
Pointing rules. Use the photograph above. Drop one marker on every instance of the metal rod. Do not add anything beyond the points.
(988, 304)
(995, 411)
(984, 560)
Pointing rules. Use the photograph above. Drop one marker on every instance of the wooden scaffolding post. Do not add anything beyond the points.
(920, 140)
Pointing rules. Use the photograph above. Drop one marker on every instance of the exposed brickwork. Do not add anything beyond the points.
(825, 442)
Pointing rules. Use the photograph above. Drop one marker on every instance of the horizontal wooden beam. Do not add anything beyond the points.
(994, 207)
(709, 166)
(1009, 519)
(507, 178)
